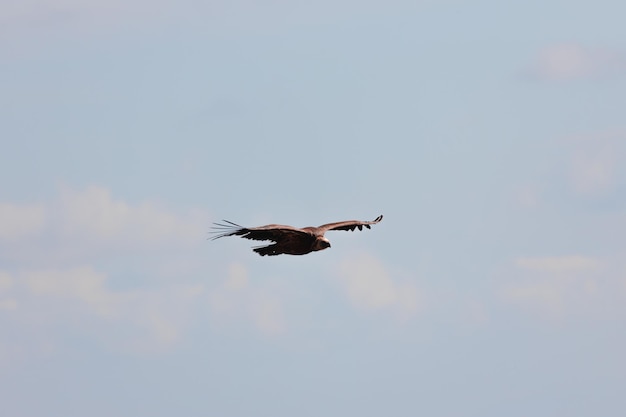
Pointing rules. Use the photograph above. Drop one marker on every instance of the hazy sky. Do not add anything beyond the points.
(491, 135)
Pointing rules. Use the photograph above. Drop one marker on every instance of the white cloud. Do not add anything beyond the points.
(594, 164)
(8, 304)
(6, 281)
(369, 286)
(570, 61)
(558, 264)
(545, 295)
(91, 223)
(80, 271)
(528, 197)
(77, 12)
(48, 250)
(94, 214)
(20, 221)
(78, 297)
(593, 172)
(236, 299)
(566, 285)
(82, 284)
(475, 312)
(268, 315)
(588, 165)
(237, 278)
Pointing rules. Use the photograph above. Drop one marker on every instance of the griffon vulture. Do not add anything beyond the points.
(288, 239)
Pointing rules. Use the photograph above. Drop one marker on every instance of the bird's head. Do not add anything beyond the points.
(321, 243)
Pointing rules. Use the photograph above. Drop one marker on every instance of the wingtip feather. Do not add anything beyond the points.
(227, 228)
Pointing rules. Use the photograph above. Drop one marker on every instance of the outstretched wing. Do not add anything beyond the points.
(348, 225)
(274, 232)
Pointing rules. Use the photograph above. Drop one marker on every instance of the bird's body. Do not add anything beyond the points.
(288, 239)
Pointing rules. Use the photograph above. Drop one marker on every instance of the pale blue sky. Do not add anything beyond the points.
(491, 135)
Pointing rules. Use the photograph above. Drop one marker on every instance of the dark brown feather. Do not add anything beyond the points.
(290, 245)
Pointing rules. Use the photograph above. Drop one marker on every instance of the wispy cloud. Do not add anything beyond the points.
(6, 301)
(559, 264)
(527, 196)
(370, 287)
(24, 12)
(561, 286)
(92, 223)
(572, 61)
(585, 165)
(95, 213)
(18, 221)
(81, 299)
(594, 161)
(237, 300)
(50, 250)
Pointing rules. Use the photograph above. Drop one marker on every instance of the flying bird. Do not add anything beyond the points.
(288, 239)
